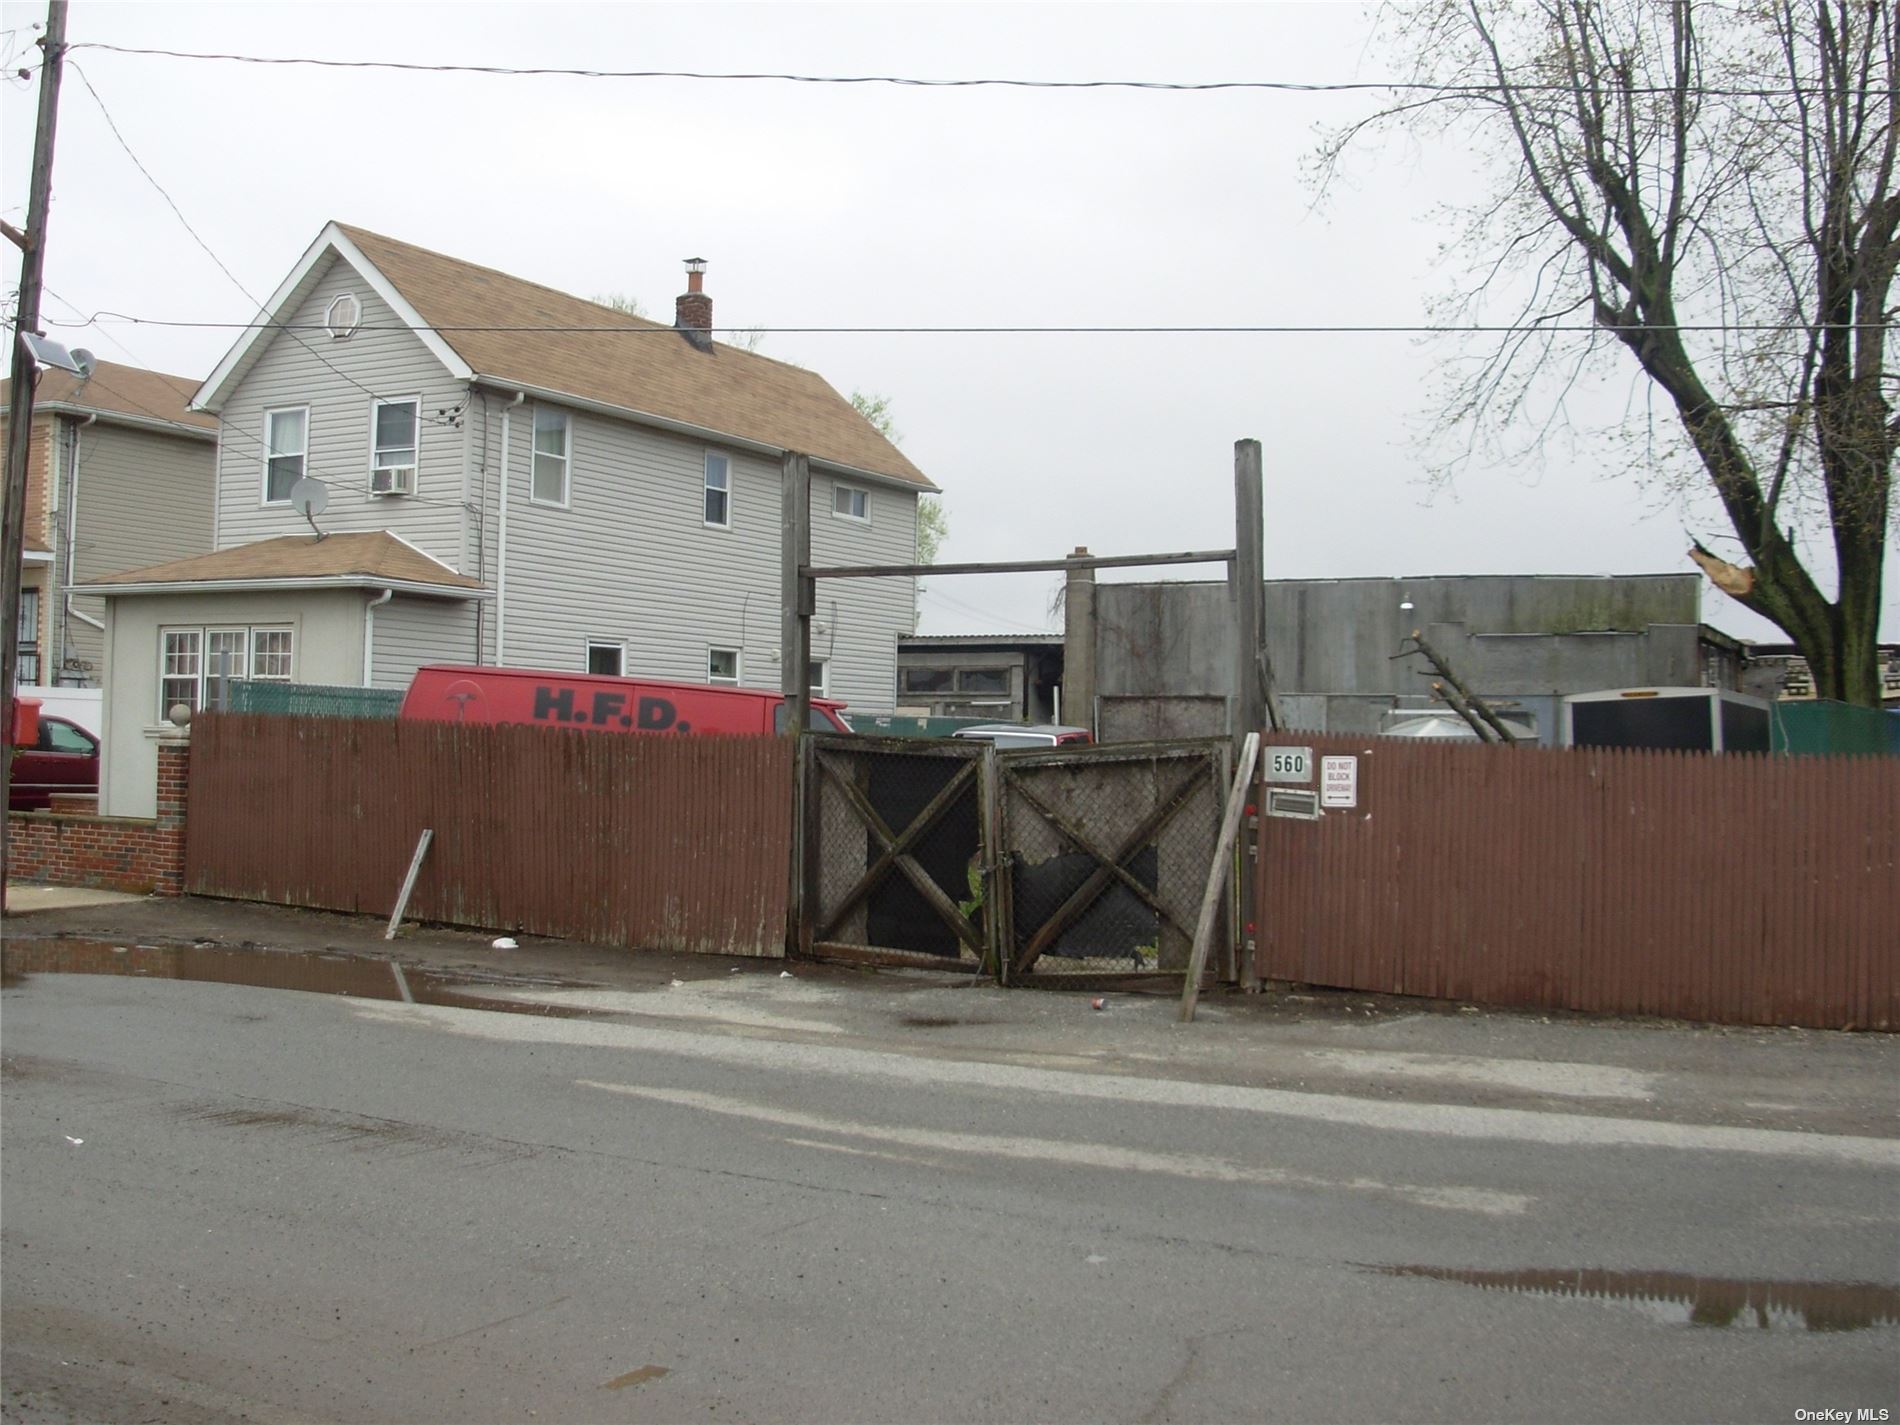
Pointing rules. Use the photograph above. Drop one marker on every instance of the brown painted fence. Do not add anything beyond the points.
(652, 842)
(1741, 889)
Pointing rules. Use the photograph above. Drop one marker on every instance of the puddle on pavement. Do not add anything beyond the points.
(1680, 1298)
(355, 976)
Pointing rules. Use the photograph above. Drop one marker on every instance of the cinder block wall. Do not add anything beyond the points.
(108, 853)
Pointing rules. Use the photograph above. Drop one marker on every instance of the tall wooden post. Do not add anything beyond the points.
(797, 601)
(1253, 699)
(796, 596)
(1249, 593)
(32, 244)
(1078, 645)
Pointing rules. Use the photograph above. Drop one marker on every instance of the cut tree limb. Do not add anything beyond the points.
(1473, 701)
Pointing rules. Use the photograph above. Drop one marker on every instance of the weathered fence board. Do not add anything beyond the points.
(676, 843)
(1741, 889)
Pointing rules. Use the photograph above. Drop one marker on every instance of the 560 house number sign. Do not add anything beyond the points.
(1288, 764)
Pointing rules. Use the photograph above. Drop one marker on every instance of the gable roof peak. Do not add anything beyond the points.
(513, 332)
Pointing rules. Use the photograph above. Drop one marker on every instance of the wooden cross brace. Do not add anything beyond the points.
(1108, 868)
(896, 852)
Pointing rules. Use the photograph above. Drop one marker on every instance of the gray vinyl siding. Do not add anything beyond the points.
(143, 498)
(308, 371)
(407, 633)
(631, 560)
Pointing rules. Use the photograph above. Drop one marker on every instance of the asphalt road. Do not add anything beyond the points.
(223, 1202)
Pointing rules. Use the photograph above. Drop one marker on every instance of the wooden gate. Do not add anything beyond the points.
(1108, 850)
(1104, 852)
(896, 860)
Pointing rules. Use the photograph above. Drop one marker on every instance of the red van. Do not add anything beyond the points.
(593, 702)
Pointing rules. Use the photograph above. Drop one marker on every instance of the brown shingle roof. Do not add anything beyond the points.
(642, 366)
(375, 556)
(113, 389)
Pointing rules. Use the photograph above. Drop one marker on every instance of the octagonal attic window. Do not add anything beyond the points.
(344, 315)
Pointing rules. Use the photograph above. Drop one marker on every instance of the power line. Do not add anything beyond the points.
(930, 593)
(76, 310)
(269, 323)
(1389, 86)
(1260, 329)
(226, 430)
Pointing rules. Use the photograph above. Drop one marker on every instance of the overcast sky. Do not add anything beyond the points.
(871, 205)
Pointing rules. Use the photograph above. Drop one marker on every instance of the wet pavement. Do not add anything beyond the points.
(265, 1166)
(312, 972)
(1676, 1298)
(1406, 1051)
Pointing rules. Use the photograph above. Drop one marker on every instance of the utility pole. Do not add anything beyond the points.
(798, 601)
(32, 244)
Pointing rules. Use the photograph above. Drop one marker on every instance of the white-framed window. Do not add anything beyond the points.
(286, 444)
(226, 658)
(851, 502)
(717, 507)
(343, 315)
(197, 665)
(551, 432)
(270, 655)
(722, 666)
(392, 445)
(609, 659)
(820, 669)
(180, 675)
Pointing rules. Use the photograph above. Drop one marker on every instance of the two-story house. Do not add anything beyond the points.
(119, 472)
(507, 474)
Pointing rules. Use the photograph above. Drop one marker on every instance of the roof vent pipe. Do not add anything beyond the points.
(692, 309)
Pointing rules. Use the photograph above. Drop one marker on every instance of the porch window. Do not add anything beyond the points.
(270, 655)
(224, 660)
(179, 673)
(198, 665)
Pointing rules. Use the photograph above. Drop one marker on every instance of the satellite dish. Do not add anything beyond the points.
(84, 360)
(310, 498)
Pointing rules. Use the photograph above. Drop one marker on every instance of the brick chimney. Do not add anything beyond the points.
(692, 309)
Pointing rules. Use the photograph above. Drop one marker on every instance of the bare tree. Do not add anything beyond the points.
(933, 520)
(1714, 189)
(621, 302)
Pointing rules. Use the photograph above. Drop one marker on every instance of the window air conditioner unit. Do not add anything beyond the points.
(393, 480)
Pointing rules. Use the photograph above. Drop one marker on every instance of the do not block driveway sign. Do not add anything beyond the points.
(1339, 781)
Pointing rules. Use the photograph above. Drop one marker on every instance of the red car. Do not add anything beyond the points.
(65, 758)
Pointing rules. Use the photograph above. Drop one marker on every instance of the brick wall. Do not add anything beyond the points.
(109, 853)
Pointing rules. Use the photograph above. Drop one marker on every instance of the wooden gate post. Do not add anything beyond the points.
(1248, 591)
(1254, 707)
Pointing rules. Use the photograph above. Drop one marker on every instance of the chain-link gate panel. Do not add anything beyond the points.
(896, 852)
(1108, 851)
